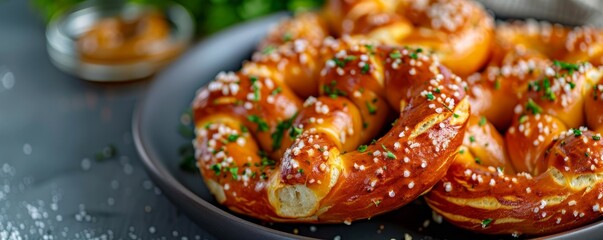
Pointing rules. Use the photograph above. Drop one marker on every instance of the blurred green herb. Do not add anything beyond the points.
(188, 163)
(209, 15)
(108, 152)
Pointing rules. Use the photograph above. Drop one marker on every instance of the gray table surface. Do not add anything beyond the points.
(51, 126)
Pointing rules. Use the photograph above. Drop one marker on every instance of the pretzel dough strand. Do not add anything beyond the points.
(314, 173)
(551, 179)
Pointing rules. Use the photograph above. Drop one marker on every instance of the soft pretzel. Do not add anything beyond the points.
(552, 177)
(522, 51)
(459, 32)
(265, 154)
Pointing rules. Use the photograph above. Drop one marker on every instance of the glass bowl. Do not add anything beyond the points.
(65, 29)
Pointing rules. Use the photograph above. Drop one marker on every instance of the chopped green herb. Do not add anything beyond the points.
(108, 152)
(301, 171)
(437, 90)
(244, 129)
(471, 139)
(371, 108)
(370, 48)
(206, 125)
(256, 89)
(217, 168)
(548, 92)
(364, 125)
(233, 137)
(373, 141)
(419, 50)
(362, 148)
(262, 125)
(395, 55)
(332, 91)
(287, 37)
(486, 222)
(577, 132)
(497, 84)
(478, 161)
(572, 85)
(533, 107)
(365, 69)
(430, 96)
(596, 137)
(390, 155)
(586, 154)
(281, 128)
(523, 118)
(482, 121)
(235, 173)
(269, 49)
(413, 55)
(342, 62)
(567, 66)
(276, 91)
(295, 131)
(462, 151)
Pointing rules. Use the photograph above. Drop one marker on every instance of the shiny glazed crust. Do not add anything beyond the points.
(264, 153)
(459, 32)
(539, 91)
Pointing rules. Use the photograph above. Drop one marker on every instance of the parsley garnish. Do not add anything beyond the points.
(395, 55)
(277, 90)
(471, 139)
(371, 108)
(269, 49)
(342, 62)
(486, 222)
(256, 89)
(262, 125)
(332, 91)
(577, 132)
(365, 69)
(233, 137)
(533, 107)
(596, 137)
(567, 66)
(478, 161)
(287, 37)
(362, 148)
(234, 171)
(281, 127)
(430, 96)
(482, 121)
(217, 168)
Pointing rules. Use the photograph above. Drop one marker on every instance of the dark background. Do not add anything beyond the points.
(52, 126)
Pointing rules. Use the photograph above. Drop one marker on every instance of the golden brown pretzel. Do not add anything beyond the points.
(552, 178)
(265, 154)
(523, 50)
(459, 32)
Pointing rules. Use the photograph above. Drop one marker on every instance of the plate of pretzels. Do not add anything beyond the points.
(385, 119)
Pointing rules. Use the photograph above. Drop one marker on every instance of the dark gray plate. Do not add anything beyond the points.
(155, 133)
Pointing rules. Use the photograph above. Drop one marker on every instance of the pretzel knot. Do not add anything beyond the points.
(264, 153)
(546, 174)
